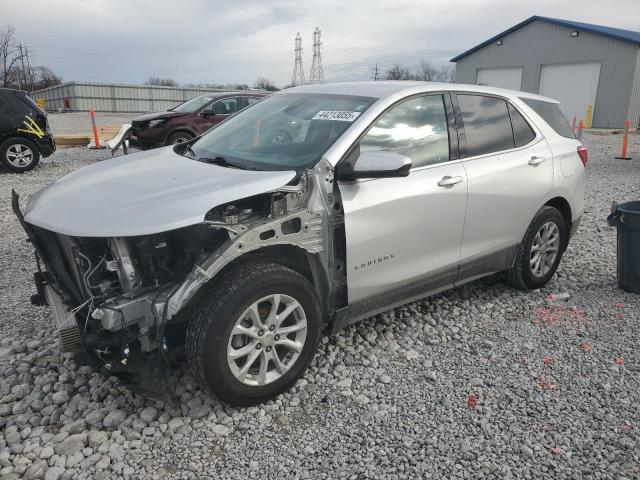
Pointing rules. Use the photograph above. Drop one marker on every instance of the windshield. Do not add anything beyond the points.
(289, 131)
(194, 104)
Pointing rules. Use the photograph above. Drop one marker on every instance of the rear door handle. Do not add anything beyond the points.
(535, 161)
(448, 181)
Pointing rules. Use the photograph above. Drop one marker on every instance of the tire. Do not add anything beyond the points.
(280, 137)
(212, 333)
(179, 137)
(19, 155)
(526, 273)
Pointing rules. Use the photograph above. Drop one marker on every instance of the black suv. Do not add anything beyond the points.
(24, 131)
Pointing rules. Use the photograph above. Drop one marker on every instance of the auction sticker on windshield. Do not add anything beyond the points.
(342, 115)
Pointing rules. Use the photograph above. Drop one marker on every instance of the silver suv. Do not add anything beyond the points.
(243, 249)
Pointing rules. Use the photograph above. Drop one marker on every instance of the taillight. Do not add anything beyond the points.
(584, 155)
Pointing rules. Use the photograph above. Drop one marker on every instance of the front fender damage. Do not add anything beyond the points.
(126, 294)
(302, 228)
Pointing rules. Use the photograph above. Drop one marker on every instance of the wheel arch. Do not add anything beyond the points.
(18, 136)
(179, 129)
(296, 258)
(562, 205)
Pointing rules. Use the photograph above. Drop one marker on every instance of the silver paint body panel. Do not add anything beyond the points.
(412, 221)
(141, 194)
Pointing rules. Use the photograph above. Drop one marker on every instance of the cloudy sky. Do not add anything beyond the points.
(215, 41)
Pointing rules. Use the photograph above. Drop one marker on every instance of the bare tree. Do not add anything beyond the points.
(446, 74)
(43, 77)
(398, 72)
(425, 72)
(10, 55)
(162, 82)
(265, 84)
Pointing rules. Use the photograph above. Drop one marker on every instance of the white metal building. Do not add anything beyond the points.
(111, 97)
(577, 63)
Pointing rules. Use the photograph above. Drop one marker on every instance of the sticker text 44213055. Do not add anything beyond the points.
(341, 115)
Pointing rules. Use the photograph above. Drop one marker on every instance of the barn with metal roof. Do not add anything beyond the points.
(586, 67)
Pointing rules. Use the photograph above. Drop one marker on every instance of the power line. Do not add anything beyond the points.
(317, 73)
(298, 70)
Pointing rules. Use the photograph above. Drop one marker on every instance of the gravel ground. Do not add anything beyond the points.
(78, 123)
(480, 382)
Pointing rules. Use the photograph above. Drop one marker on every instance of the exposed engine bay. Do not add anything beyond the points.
(116, 295)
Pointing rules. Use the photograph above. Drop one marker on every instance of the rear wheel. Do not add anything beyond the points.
(540, 252)
(179, 137)
(256, 334)
(19, 155)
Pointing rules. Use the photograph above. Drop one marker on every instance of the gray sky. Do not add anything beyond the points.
(223, 41)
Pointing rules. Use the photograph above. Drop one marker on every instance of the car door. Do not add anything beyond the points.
(509, 171)
(217, 112)
(404, 234)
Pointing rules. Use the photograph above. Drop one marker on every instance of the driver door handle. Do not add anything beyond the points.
(448, 181)
(535, 161)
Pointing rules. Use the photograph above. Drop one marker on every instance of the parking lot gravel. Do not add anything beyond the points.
(483, 381)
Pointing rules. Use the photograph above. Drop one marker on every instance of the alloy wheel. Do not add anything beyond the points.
(19, 155)
(267, 340)
(544, 249)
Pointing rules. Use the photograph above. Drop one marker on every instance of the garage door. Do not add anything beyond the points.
(510, 78)
(574, 85)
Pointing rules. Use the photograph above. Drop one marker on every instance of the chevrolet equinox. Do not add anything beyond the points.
(242, 250)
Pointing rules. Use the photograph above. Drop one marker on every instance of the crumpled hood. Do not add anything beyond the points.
(145, 117)
(143, 193)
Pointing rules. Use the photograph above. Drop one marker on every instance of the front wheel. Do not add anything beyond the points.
(256, 334)
(179, 137)
(539, 254)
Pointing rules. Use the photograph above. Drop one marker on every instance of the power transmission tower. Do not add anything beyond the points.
(375, 73)
(317, 74)
(298, 70)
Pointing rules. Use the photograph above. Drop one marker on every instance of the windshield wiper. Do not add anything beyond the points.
(190, 150)
(221, 161)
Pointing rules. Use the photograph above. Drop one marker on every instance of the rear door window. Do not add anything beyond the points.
(551, 113)
(487, 125)
(522, 131)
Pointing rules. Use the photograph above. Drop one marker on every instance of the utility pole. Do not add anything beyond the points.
(26, 72)
(317, 73)
(22, 73)
(26, 53)
(298, 71)
(375, 73)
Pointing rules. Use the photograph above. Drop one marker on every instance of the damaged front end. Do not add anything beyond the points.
(109, 293)
(116, 296)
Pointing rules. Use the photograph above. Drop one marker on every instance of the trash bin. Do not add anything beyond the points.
(626, 217)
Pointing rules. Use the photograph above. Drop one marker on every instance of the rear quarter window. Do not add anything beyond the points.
(551, 113)
(522, 131)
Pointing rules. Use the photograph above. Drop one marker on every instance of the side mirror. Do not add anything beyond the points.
(208, 113)
(376, 164)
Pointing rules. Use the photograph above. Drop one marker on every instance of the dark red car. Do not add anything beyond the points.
(187, 120)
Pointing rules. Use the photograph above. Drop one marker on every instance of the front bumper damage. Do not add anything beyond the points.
(106, 303)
